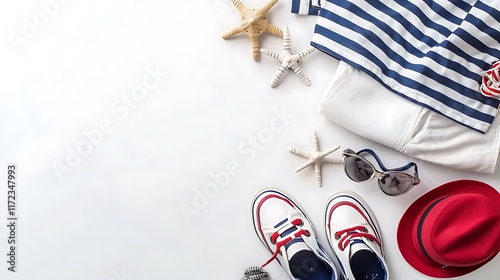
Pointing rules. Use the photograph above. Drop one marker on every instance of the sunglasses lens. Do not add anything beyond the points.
(357, 169)
(395, 183)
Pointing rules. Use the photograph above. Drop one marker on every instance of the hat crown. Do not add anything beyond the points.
(460, 230)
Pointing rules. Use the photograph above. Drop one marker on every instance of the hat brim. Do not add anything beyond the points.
(415, 210)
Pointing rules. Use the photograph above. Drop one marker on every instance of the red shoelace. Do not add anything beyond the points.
(299, 231)
(353, 232)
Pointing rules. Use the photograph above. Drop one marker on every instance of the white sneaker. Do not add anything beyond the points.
(289, 235)
(354, 236)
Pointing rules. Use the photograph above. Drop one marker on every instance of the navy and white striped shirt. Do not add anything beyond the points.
(430, 52)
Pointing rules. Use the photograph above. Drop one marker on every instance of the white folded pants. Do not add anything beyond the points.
(359, 103)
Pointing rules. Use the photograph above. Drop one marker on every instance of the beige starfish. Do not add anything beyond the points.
(316, 158)
(254, 23)
(288, 60)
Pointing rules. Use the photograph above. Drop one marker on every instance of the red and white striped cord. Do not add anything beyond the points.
(490, 85)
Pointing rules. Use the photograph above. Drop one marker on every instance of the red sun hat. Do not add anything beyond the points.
(451, 230)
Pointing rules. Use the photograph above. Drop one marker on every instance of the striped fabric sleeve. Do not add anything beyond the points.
(306, 7)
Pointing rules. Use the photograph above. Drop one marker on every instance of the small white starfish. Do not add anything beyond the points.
(316, 157)
(288, 60)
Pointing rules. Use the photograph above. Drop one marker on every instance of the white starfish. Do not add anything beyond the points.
(288, 60)
(316, 157)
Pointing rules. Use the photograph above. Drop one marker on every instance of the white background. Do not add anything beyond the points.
(112, 212)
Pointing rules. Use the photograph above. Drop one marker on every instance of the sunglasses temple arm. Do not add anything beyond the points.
(416, 169)
(379, 161)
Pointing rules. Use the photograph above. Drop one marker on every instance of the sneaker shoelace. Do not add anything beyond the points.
(350, 234)
(293, 229)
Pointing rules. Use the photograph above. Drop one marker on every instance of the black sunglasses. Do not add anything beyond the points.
(391, 181)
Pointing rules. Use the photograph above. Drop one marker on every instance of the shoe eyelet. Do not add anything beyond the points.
(301, 223)
(272, 241)
(365, 229)
(337, 237)
(308, 233)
